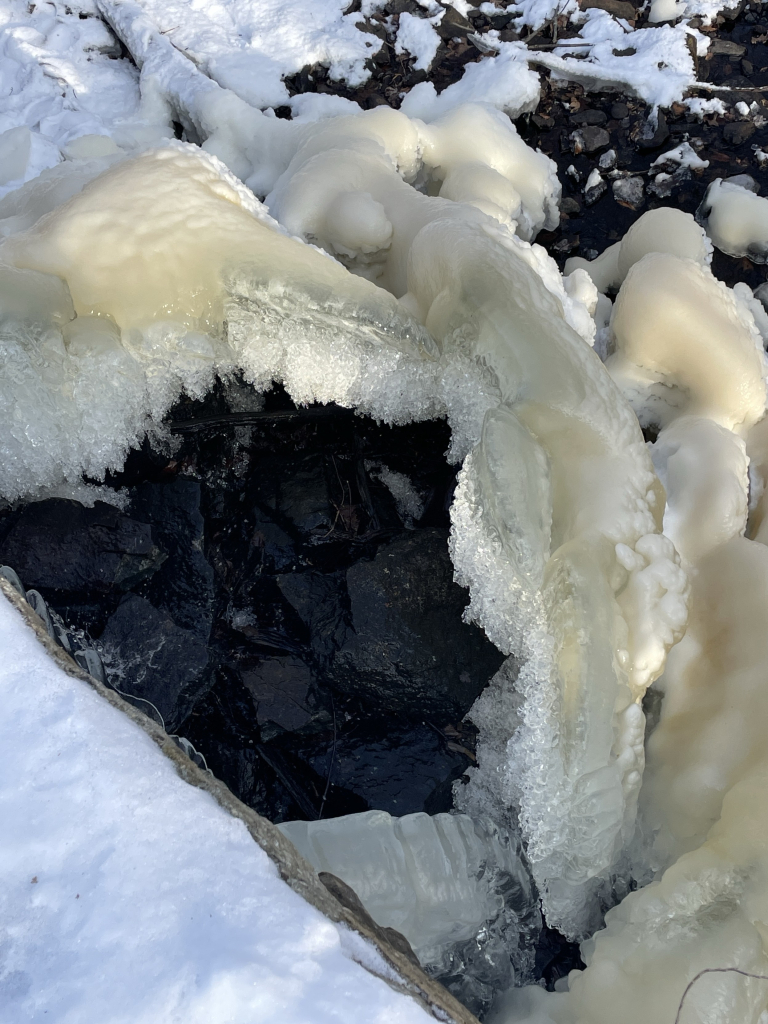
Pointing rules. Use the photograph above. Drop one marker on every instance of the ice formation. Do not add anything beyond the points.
(445, 882)
(175, 272)
(736, 220)
(694, 362)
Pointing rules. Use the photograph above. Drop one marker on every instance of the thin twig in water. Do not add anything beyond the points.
(715, 970)
(333, 758)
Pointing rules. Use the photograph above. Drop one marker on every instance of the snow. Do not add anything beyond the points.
(417, 36)
(248, 46)
(660, 69)
(504, 81)
(119, 871)
(683, 155)
(59, 78)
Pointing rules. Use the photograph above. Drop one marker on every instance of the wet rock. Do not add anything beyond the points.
(302, 496)
(595, 192)
(665, 184)
(61, 545)
(408, 649)
(348, 898)
(619, 111)
(738, 132)
(570, 206)
(280, 689)
(149, 657)
(272, 542)
(650, 134)
(744, 181)
(321, 602)
(183, 586)
(726, 48)
(400, 769)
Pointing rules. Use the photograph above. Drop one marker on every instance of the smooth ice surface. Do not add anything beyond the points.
(436, 879)
(662, 230)
(736, 220)
(129, 896)
(685, 343)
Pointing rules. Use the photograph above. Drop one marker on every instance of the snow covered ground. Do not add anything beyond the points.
(129, 896)
(64, 74)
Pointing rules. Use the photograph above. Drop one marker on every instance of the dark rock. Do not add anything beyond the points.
(398, 769)
(618, 8)
(592, 117)
(184, 584)
(595, 138)
(280, 687)
(321, 602)
(409, 650)
(726, 48)
(649, 135)
(149, 657)
(570, 206)
(619, 111)
(274, 544)
(348, 898)
(592, 195)
(59, 544)
(453, 25)
(747, 68)
(738, 132)
(404, 6)
(301, 495)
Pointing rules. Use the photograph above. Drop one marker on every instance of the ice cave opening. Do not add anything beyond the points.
(423, 346)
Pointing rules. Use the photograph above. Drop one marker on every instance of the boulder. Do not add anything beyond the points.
(408, 649)
(61, 545)
(183, 586)
(150, 658)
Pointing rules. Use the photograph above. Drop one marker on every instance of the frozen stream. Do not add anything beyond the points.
(391, 268)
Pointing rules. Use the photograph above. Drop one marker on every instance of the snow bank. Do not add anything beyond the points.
(248, 46)
(61, 77)
(120, 871)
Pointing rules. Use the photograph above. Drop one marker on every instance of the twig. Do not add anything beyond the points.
(715, 970)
